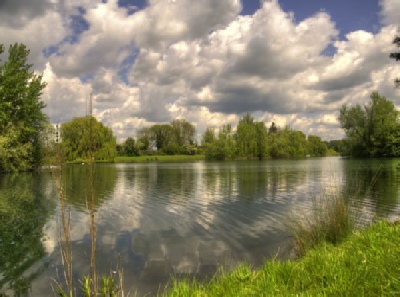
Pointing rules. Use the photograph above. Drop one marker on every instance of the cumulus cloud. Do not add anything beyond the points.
(65, 98)
(37, 34)
(165, 22)
(104, 44)
(390, 12)
(17, 13)
(356, 58)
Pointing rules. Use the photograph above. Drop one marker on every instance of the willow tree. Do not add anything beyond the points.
(21, 115)
(85, 138)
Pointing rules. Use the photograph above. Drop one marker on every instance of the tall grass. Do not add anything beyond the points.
(329, 220)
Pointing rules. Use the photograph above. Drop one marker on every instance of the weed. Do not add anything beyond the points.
(329, 220)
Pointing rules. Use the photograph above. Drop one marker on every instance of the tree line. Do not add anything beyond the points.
(252, 140)
(177, 137)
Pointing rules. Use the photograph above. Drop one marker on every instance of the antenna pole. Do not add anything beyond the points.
(90, 106)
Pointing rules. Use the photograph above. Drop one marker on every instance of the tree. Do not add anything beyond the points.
(208, 137)
(14, 155)
(396, 56)
(130, 148)
(372, 131)
(261, 140)
(161, 135)
(85, 138)
(143, 139)
(183, 132)
(316, 147)
(224, 147)
(251, 138)
(273, 128)
(20, 107)
(287, 143)
(246, 137)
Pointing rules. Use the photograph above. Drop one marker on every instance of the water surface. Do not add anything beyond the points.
(160, 219)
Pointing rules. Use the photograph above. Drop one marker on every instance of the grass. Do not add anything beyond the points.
(159, 158)
(366, 263)
(330, 220)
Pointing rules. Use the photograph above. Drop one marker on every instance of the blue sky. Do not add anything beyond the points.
(349, 15)
(291, 62)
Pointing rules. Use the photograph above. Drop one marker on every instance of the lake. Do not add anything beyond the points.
(182, 219)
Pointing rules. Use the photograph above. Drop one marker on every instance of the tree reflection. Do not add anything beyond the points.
(24, 211)
(376, 180)
(76, 184)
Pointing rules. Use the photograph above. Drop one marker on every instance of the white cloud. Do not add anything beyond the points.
(165, 22)
(65, 98)
(18, 13)
(390, 12)
(104, 44)
(37, 34)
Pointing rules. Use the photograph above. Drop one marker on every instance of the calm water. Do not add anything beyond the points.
(160, 220)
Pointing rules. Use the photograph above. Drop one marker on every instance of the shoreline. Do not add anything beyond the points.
(365, 263)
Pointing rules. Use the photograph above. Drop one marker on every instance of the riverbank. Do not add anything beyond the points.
(366, 263)
(159, 158)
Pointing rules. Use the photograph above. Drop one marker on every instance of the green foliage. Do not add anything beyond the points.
(273, 128)
(372, 131)
(316, 148)
(161, 136)
(143, 139)
(287, 143)
(183, 132)
(252, 140)
(130, 148)
(21, 109)
(14, 155)
(171, 139)
(334, 145)
(224, 148)
(261, 140)
(246, 140)
(85, 138)
(208, 137)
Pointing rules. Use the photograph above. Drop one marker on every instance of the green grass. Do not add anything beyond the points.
(159, 158)
(330, 220)
(367, 263)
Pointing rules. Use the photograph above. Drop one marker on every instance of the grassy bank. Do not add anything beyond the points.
(366, 263)
(159, 158)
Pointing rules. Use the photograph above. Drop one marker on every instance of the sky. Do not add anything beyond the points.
(292, 62)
